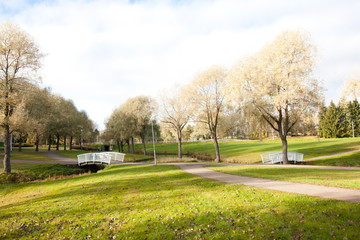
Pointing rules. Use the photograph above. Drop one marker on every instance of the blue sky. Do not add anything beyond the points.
(101, 52)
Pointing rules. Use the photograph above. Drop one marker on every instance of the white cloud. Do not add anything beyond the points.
(102, 52)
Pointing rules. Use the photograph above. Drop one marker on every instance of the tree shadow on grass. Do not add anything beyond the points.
(152, 180)
(166, 203)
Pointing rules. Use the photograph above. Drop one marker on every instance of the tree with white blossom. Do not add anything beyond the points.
(278, 81)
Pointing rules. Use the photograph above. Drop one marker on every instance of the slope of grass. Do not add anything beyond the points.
(162, 202)
(27, 173)
(326, 177)
(348, 160)
(249, 151)
(26, 154)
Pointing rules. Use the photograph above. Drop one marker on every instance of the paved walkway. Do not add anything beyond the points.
(300, 188)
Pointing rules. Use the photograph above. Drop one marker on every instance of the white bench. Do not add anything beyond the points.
(101, 158)
(276, 157)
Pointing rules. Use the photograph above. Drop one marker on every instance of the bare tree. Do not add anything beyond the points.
(175, 114)
(141, 109)
(352, 89)
(19, 59)
(278, 82)
(207, 94)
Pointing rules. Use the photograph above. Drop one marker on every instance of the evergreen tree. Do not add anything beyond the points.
(353, 115)
(343, 126)
(329, 122)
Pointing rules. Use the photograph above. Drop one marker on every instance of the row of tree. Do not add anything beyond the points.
(130, 120)
(340, 121)
(275, 87)
(42, 116)
(26, 110)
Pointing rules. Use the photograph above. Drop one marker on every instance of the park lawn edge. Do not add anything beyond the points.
(142, 201)
(322, 177)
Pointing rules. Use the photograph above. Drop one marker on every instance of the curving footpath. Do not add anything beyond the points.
(342, 194)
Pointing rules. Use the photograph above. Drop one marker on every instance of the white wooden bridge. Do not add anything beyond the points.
(276, 157)
(100, 158)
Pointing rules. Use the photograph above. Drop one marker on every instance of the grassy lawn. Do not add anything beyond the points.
(249, 151)
(162, 202)
(349, 160)
(26, 172)
(334, 178)
(20, 166)
(26, 154)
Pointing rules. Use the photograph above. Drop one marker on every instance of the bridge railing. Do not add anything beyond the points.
(276, 157)
(101, 158)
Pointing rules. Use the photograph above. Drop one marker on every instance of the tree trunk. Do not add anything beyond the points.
(121, 146)
(143, 144)
(57, 142)
(7, 166)
(284, 149)
(128, 145)
(216, 144)
(179, 144)
(118, 145)
(71, 140)
(132, 145)
(65, 143)
(260, 134)
(49, 148)
(20, 143)
(37, 144)
(81, 144)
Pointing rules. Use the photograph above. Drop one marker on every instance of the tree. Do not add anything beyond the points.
(20, 57)
(329, 123)
(175, 113)
(278, 82)
(206, 92)
(140, 109)
(352, 88)
(119, 128)
(38, 107)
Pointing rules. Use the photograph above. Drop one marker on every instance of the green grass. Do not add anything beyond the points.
(71, 153)
(249, 151)
(236, 151)
(26, 154)
(327, 177)
(348, 160)
(24, 172)
(162, 202)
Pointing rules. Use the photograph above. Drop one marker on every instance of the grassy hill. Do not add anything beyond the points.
(162, 202)
(249, 151)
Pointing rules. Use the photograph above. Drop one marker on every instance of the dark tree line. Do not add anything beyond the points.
(340, 121)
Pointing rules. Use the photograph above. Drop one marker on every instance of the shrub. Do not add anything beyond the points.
(84, 147)
(24, 145)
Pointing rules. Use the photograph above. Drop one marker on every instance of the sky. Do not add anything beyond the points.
(101, 52)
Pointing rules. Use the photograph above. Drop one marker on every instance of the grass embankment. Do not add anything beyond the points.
(326, 177)
(249, 151)
(162, 202)
(348, 160)
(26, 154)
(26, 172)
